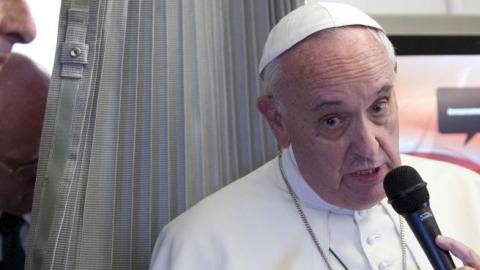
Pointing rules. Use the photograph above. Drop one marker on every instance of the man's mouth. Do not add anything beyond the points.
(367, 172)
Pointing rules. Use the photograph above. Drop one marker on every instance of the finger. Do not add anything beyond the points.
(461, 251)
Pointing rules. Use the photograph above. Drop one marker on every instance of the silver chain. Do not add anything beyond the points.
(312, 234)
(403, 243)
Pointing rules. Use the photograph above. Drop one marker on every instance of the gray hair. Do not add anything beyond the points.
(272, 74)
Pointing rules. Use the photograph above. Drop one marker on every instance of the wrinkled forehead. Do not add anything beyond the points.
(306, 20)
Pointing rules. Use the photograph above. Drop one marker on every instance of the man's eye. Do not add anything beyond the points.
(379, 107)
(333, 125)
(332, 121)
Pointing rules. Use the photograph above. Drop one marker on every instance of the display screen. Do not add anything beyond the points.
(439, 105)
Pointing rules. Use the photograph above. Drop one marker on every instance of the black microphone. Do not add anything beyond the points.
(408, 195)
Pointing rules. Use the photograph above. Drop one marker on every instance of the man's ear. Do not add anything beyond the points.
(269, 109)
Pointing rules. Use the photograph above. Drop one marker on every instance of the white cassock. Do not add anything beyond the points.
(253, 224)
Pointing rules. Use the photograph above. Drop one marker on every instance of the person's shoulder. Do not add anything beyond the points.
(196, 238)
(436, 165)
(228, 203)
(440, 171)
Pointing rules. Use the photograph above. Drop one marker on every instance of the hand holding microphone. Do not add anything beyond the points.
(408, 195)
(464, 253)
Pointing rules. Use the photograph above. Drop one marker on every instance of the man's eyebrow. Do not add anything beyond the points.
(385, 90)
(326, 104)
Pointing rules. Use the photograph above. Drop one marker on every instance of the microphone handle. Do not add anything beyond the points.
(425, 229)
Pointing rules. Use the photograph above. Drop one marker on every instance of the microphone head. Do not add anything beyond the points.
(405, 189)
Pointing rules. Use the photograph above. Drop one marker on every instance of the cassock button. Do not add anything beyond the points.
(360, 213)
(372, 239)
(385, 265)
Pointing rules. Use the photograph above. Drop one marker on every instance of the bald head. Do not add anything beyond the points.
(23, 93)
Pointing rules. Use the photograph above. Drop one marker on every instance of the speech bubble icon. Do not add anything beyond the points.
(459, 111)
(469, 137)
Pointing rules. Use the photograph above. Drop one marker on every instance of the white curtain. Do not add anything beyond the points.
(151, 107)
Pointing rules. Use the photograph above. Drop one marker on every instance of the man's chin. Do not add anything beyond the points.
(368, 202)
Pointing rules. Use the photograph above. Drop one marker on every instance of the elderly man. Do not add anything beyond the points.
(329, 72)
(23, 92)
(16, 25)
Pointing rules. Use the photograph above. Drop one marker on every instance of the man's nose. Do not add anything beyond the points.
(365, 139)
(16, 21)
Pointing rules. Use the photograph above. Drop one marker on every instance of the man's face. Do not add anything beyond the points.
(16, 25)
(23, 91)
(339, 114)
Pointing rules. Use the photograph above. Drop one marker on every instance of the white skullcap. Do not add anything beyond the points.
(312, 17)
